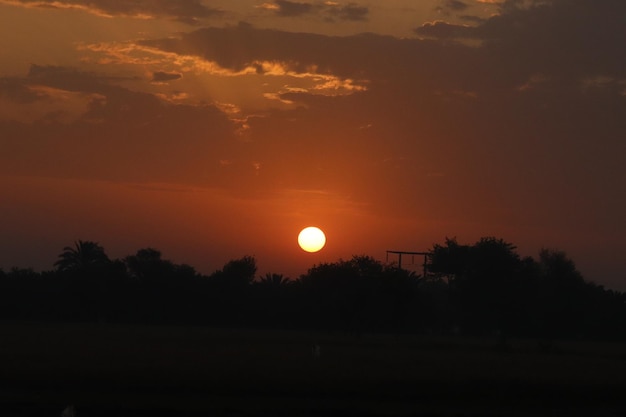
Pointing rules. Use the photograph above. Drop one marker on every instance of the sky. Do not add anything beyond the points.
(212, 130)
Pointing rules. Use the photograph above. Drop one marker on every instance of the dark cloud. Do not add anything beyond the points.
(74, 79)
(449, 7)
(121, 135)
(236, 47)
(565, 37)
(16, 90)
(291, 8)
(161, 76)
(188, 11)
(472, 19)
(509, 121)
(352, 12)
(454, 5)
(444, 30)
(329, 11)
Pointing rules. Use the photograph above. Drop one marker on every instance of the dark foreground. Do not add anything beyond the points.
(123, 371)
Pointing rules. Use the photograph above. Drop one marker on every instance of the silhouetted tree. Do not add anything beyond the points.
(436, 313)
(485, 287)
(147, 264)
(562, 296)
(605, 316)
(273, 301)
(449, 260)
(166, 290)
(241, 270)
(228, 291)
(485, 280)
(334, 292)
(358, 294)
(24, 294)
(273, 281)
(399, 300)
(83, 256)
(84, 269)
(236, 274)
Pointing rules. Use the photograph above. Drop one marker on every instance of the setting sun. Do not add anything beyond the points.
(311, 239)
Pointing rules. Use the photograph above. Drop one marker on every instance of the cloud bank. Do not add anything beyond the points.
(188, 11)
(328, 10)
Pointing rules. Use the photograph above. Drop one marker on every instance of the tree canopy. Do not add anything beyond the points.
(484, 288)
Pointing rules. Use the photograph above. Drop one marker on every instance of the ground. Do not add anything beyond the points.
(123, 371)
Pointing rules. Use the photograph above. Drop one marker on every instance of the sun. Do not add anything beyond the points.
(311, 239)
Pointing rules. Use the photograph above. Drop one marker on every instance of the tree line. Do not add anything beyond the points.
(481, 289)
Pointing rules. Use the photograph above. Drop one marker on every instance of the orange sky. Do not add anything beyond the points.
(211, 130)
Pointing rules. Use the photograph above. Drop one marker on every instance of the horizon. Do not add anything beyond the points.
(391, 259)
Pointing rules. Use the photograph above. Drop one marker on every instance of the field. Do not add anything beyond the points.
(118, 371)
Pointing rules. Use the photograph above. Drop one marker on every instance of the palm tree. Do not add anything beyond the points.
(83, 255)
(274, 281)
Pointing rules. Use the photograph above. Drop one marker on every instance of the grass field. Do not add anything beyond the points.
(116, 370)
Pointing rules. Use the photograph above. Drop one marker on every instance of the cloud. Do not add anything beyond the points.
(453, 5)
(17, 91)
(241, 51)
(290, 8)
(444, 30)
(239, 47)
(352, 12)
(503, 61)
(162, 76)
(568, 37)
(268, 6)
(328, 10)
(504, 106)
(26, 102)
(269, 79)
(188, 11)
(472, 19)
(438, 101)
(118, 134)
